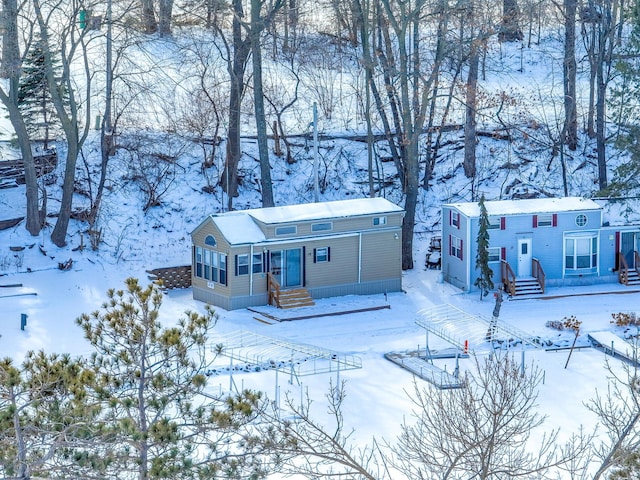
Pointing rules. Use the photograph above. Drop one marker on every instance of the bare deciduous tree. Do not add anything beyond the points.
(618, 410)
(483, 430)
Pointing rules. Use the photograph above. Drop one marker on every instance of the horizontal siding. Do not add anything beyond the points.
(340, 269)
(340, 225)
(381, 255)
(365, 288)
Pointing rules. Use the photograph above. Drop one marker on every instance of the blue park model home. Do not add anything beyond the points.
(539, 242)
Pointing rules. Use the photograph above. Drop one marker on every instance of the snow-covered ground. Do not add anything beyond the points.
(376, 401)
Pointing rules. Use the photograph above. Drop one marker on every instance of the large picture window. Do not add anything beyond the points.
(581, 254)
(211, 265)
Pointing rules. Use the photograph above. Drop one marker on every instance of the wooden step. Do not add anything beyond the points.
(296, 297)
(528, 287)
(633, 278)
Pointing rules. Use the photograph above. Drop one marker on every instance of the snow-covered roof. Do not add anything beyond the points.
(323, 210)
(239, 227)
(528, 206)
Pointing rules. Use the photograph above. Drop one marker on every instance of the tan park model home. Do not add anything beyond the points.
(328, 249)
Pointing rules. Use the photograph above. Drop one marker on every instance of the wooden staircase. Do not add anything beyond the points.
(527, 286)
(628, 276)
(523, 286)
(290, 298)
(297, 297)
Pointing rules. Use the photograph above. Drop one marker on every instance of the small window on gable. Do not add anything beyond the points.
(210, 241)
(379, 221)
(286, 230)
(321, 255)
(581, 220)
(321, 227)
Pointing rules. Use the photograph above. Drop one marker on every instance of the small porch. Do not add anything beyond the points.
(523, 285)
(629, 274)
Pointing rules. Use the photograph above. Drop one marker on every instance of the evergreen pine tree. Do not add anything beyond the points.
(484, 281)
(46, 418)
(34, 96)
(159, 420)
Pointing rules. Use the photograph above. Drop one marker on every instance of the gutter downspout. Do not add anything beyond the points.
(251, 270)
(359, 257)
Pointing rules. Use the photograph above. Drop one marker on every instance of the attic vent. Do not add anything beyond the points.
(210, 241)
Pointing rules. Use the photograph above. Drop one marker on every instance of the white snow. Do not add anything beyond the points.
(528, 206)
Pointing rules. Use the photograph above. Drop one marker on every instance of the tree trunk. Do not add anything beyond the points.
(258, 98)
(510, 30)
(10, 50)
(149, 23)
(470, 119)
(10, 68)
(165, 11)
(570, 104)
(236, 67)
(600, 127)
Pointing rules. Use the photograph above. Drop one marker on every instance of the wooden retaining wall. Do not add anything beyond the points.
(172, 277)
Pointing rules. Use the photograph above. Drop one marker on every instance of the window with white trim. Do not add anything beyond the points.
(287, 230)
(242, 264)
(211, 265)
(581, 220)
(258, 263)
(581, 254)
(456, 247)
(321, 254)
(321, 227)
(495, 254)
(545, 220)
(379, 221)
(494, 223)
(455, 219)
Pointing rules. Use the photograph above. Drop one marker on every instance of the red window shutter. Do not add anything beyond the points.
(461, 249)
(503, 223)
(450, 246)
(535, 221)
(458, 215)
(450, 217)
(328, 254)
(554, 220)
(503, 253)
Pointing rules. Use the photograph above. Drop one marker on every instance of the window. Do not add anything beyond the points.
(495, 223)
(198, 261)
(257, 264)
(495, 254)
(242, 264)
(454, 219)
(455, 247)
(321, 255)
(288, 230)
(581, 220)
(581, 254)
(379, 221)
(210, 241)
(211, 265)
(321, 227)
(544, 220)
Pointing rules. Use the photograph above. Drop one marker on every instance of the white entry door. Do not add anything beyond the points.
(524, 257)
